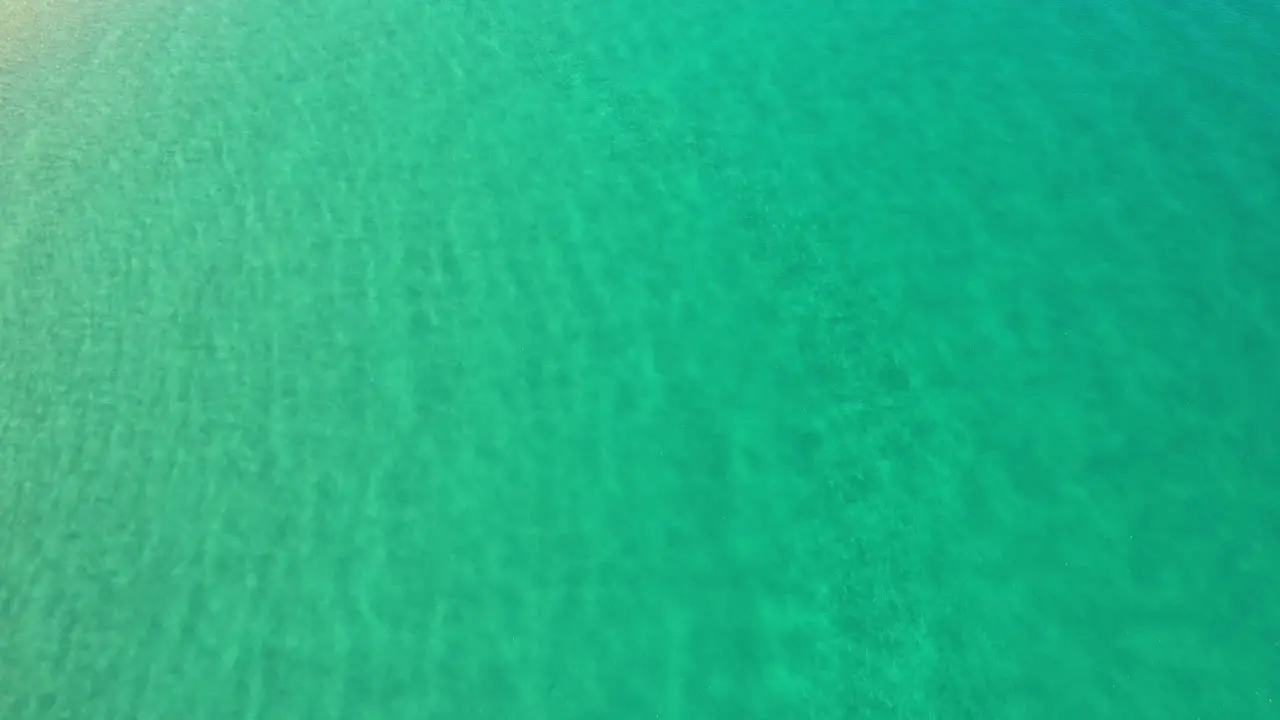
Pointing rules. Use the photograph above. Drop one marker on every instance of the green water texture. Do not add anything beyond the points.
(661, 360)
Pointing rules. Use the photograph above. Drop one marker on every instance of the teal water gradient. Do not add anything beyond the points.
(643, 360)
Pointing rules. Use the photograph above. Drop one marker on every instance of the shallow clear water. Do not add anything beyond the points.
(641, 360)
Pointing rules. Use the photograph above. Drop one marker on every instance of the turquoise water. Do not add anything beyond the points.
(641, 360)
